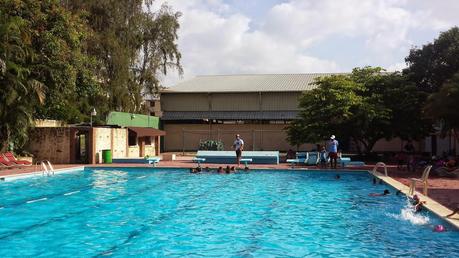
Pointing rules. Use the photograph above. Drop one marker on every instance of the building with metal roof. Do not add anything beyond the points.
(257, 106)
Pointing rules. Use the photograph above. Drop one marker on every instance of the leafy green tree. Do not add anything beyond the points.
(133, 46)
(442, 106)
(41, 48)
(430, 66)
(19, 90)
(364, 106)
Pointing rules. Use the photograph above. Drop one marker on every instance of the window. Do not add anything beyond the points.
(152, 103)
(147, 140)
(132, 139)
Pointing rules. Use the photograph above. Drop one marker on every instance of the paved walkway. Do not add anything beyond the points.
(445, 191)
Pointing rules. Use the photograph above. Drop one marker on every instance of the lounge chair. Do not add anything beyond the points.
(312, 158)
(302, 157)
(11, 158)
(7, 163)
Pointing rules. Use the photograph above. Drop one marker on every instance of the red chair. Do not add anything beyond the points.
(6, 163)
(11, 158)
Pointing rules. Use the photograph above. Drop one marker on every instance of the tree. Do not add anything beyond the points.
(41, 48)
(364, 106)
(430, 66)
(442, 106)
(133, 46)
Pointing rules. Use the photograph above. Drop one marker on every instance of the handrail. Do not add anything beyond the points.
(47, 170)
(379, 165)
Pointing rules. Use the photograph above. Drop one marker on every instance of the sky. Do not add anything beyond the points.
(303, 36)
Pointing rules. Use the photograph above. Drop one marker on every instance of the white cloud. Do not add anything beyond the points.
(215, 38)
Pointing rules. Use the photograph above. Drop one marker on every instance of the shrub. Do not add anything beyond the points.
(211, 145)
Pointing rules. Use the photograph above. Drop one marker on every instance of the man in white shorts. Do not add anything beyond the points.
(238, 146)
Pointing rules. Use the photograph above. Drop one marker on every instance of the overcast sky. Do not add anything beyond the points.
(304, 36)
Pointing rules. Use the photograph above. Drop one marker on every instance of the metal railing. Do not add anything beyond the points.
(47, 167)
(380, 165)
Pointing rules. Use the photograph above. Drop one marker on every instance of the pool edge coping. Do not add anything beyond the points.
(39, 173)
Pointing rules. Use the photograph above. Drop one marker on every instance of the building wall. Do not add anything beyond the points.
(235, 102)
(119, 142)
(246, 101)
(50, 143)
(256, 136)
(275, 101)
(185, 102)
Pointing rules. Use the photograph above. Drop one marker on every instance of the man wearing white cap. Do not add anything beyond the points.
(332, 147)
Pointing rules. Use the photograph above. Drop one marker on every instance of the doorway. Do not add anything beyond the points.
(82, 147)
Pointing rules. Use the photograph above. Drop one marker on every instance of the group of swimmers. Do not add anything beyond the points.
(220, 170)
(416, 203)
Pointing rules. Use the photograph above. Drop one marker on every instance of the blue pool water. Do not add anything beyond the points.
(169, 212)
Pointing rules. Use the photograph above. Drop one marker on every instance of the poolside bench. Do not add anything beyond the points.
(199, 160)
(293, 162)
(246, 161)
(228, 157)
(153, 161)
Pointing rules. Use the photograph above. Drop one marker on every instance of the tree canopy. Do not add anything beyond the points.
(45, 72)
(434, 63)
(133, 46)
(443, 105)
(364, 106)
(59, 59)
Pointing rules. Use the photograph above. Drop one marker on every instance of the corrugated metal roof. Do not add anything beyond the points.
(248, 83)
(229, 115)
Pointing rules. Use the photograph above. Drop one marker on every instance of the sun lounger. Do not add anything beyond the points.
(312, 158)
(302, 156)
(7, 163)
(11, 158)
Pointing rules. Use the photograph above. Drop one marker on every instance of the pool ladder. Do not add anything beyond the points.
(380, 165)
(48, 169)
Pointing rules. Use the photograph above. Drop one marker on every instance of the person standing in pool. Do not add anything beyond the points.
(238, 146)
(332, 147)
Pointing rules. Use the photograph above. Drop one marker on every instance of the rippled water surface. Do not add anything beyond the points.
(171, 213)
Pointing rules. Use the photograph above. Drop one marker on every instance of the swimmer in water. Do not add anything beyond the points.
(193, 171)
(233, 169)
(386, 192)
(337, 177)
(220, 170)
(227, 170)
(418, 204)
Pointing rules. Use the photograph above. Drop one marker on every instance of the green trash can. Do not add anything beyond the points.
(107, 156)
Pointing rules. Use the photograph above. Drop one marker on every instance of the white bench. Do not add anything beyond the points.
(199, 160)
(153, 161)
(293, 162)
(246, 161)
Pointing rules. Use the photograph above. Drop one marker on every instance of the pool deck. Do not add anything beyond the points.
(443, 192)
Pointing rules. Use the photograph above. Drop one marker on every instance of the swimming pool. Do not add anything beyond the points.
(150, 212)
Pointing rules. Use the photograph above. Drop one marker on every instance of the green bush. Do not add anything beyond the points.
(211, 145)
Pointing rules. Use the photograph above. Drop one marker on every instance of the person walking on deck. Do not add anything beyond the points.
(332, 147)
(238, 146)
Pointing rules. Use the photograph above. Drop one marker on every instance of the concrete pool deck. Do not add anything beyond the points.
(443, 192)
